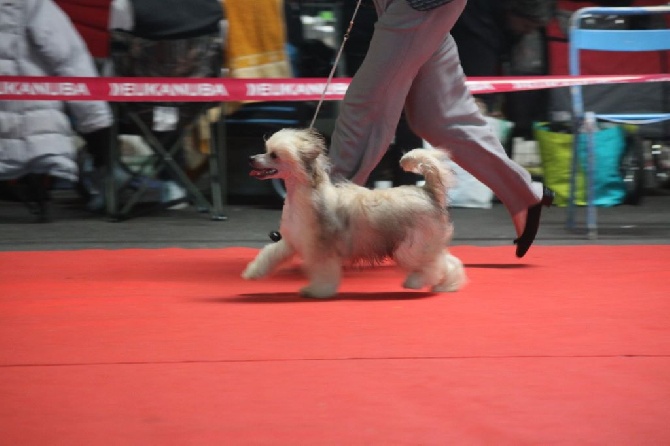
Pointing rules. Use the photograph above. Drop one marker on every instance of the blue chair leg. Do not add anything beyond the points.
(591, 214)
(573, 177)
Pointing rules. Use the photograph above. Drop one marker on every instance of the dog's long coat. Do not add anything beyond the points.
(329, 225)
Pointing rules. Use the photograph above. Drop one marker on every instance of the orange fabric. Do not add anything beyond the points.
(256, 39)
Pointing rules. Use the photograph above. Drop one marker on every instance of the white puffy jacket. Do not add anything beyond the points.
(38, 39)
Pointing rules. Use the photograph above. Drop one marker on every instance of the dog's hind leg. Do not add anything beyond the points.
(414, 281)
(270, 257)
(324, 277)
(453, 274)
(413, 260)
(442, 274)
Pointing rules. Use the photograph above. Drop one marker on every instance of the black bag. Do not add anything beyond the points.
(426, 5)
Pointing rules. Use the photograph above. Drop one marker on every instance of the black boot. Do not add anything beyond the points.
(533, 223)
(38, 197)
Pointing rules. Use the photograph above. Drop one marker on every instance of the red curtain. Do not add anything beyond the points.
(598, 62)
(91, 18)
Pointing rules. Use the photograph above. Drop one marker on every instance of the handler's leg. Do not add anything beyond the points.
(441, 110)
(403, 40)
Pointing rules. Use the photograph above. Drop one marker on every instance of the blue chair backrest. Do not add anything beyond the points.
(615, 39)
(623, 40)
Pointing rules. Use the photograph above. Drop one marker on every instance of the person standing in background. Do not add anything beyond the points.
(36, 144)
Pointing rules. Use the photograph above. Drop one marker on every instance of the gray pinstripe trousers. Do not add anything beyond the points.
(413, 64)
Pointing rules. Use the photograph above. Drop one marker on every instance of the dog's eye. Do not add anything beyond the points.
(273, 155)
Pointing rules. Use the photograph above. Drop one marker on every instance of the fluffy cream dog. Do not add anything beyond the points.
(329, 225)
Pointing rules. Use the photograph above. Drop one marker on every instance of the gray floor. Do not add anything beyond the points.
(248, 225)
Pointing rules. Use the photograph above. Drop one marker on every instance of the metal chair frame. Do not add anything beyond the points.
(164, 157)
(585, 122)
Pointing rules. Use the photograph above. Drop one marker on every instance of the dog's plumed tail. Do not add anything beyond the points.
(432, 165)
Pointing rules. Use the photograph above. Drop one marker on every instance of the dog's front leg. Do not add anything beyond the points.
(270, 257)
(324, 278)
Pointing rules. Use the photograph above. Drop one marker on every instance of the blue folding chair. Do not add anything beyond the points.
(621, 40)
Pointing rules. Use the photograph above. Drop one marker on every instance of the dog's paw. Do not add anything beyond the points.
(448, 286)
(414, 281)
(455, 279)
(319, 291)
(252, 272)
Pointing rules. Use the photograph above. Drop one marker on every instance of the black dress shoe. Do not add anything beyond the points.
(533, 223)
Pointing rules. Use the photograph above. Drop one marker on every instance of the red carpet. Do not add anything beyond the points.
(569, 346)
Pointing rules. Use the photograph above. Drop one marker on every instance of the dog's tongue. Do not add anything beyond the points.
(259, 173)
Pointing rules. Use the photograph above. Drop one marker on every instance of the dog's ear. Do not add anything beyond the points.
(311, 144)
(312, 154)
(315, 136)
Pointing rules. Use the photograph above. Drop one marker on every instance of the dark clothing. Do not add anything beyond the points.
(481, 37)
(176, 19)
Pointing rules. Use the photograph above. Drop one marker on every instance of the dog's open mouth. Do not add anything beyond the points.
(262, 173)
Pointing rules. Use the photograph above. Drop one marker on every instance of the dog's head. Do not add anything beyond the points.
(297, 154)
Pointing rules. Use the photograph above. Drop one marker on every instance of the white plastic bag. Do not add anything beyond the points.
(469, 192)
